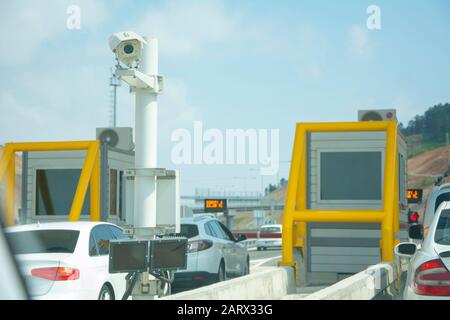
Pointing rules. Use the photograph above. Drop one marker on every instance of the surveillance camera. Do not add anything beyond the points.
(127, 46)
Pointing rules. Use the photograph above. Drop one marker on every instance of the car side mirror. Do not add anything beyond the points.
(405, 249)
(241, 237)
(416, 232)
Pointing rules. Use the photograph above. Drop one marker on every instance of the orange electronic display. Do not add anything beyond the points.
(215, 205)
(414, 195)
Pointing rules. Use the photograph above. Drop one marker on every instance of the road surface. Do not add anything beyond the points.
(266, 258)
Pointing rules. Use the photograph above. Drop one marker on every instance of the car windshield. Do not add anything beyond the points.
(441, 198)
(189, 230)
(270, 229)
(43, 241)
(442, 235)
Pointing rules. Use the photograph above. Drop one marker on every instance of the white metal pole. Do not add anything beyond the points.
(146, 121)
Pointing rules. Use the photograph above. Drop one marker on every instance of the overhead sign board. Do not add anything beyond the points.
(215, 205)
(414, 195)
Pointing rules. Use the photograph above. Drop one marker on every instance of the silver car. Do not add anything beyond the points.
(429, 266)
(214, 254)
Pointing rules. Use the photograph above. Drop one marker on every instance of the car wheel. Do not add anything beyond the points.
(247, 267)
(106, 293)
(259, 248)
(221, 276)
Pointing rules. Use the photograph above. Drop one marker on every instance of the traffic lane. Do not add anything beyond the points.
(265, 258)
(264, 254)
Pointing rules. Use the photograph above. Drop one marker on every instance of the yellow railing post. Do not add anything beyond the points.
(95, 188)
(397, 202)
(9, 193)
(389, 201)
(300, 230)
(290, 207)
(4, 162)
(83, 183)
(299, 234)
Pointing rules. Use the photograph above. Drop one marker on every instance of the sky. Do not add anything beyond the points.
(231, 64)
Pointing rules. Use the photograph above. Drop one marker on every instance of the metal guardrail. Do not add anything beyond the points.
(246, 207)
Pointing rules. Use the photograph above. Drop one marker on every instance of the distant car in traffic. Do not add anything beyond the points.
(214, 254)
(67, 260)
(428, 274)
(269, 236)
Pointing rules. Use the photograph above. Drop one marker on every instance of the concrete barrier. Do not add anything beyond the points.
(271, 284)
(364, 285)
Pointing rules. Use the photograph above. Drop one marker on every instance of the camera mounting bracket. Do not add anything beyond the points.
(139, 80)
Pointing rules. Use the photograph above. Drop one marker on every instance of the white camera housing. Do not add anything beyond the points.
(127, 46)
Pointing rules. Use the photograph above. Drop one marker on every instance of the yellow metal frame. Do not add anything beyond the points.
(296, 215)
(90, 174)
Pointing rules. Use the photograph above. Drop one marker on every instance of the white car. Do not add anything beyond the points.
(213, 253)
(429, 268)
(12, 286)
(269, 236)
(67, 260)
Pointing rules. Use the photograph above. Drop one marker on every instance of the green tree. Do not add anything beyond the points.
(434, 124)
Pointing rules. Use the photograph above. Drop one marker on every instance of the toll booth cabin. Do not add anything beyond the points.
(50, 179)
(345, 171)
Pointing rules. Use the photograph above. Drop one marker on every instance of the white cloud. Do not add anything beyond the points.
(175, 112)
(187, 26)
(27, 27)
(313, 71)
(56, 102)
(175, 96)
(57, 82)
(58, 105)
(359, 42)
(406, 108)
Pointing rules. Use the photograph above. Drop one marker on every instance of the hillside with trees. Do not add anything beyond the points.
(428, 131)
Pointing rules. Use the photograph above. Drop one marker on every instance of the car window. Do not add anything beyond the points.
(102, 236)
(189, 230)
(441, 198)
(43, 241)
(218, 230)
(93, 251)
(425, 212)
(442, 234)
(227, 232)
(209, 230)
(271, 229)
